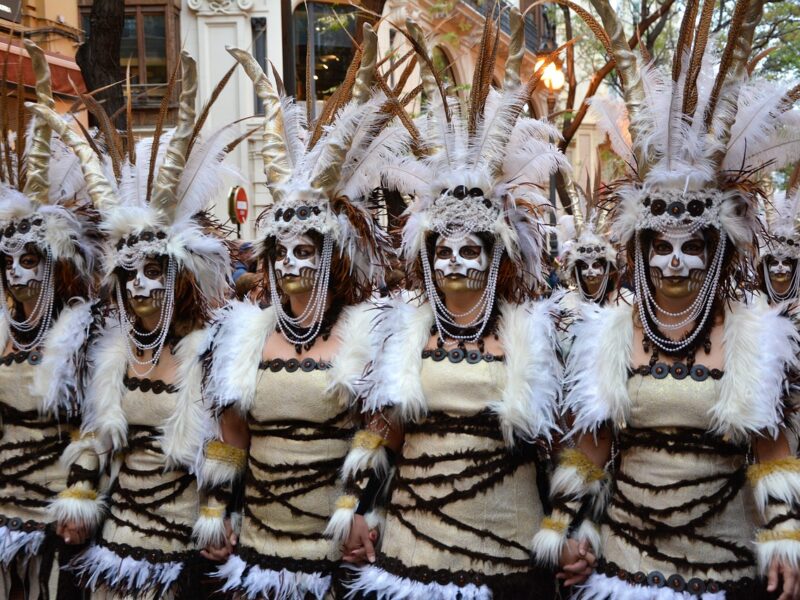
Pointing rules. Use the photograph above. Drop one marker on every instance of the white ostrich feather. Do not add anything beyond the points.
(613, 121)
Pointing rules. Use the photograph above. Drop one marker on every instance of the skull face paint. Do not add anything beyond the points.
(146, 286)
(592, 275)
(678, 265)
(296, 264)
(24, 274)
(780, 270)
(461, 265)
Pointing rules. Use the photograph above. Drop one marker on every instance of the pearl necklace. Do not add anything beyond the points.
(127, 324)
(445, 319)
(42, 314)
(315, 308)
(789, 294)
(587, 297)
(646, 309)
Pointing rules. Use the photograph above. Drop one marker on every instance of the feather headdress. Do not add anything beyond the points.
(782, 226)
(321, 175)
(485, 165)
(164, 184)
(693, 138)
(42, 196)
(583, 235)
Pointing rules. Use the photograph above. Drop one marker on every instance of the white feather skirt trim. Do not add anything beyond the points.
(602, 587)
(253, 582)
(386, 586)
(13, 542)
(100, 566)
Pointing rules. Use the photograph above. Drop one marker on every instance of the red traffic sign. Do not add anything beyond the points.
(238, 204)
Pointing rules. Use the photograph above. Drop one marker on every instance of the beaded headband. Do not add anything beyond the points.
(20, 232)
(458, 212)
(133, 249)
(676, 212)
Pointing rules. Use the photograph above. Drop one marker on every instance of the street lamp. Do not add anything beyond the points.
(553, 80)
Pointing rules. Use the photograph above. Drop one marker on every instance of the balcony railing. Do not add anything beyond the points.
(540, 33)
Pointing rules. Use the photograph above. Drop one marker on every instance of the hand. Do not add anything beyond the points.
(221, 553)
(72, 532)
(360, 544)
(778, 570)
(577, 562)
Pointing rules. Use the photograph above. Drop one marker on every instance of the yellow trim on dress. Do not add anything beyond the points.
(368, 440)
(74, 493)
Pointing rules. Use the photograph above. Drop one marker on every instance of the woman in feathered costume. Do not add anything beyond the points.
(778, 275)
(681, 397)
(143, 401)
(463, 388)
(286, 376)
(49, 244)
(588, 259)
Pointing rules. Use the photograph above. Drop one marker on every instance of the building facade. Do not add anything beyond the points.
(53, 25)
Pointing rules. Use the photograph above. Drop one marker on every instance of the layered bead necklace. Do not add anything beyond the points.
(700, 307)
(41, 316)
(445, 319)
(161, 331)
(292, 328)
(601, 290)
(790, 293)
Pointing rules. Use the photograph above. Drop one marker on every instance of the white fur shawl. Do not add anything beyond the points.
(239, 338)
(528, 407)
(183, 433)
(58, 377)
(760, 345)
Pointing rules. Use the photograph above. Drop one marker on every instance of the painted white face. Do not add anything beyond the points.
(678, 264)
(780, 266)
(592, 271)
(296, 264)
(23, 268)
(678, 257)
(461, 264)
(146, 280)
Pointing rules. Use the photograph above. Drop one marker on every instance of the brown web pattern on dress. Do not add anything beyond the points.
(26, 457)
(145, 502)
(656, 527)
(284, 484)
(489, 467)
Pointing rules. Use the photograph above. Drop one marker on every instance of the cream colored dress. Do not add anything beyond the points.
(30, 477)
(463, 508)
(680, 515)
(299, 435)
(151, 510)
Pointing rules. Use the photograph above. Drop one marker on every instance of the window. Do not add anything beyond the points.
(149, 44)
(333, 26)
(258, 26)
(444, 67)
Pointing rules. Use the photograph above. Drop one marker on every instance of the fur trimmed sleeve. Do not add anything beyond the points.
(238, 338)
(358, 344)
(597, 367)
(186, 431)
(761, 348)
(102, 415)
(529, 406)
(59, 381)
(393, 380)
